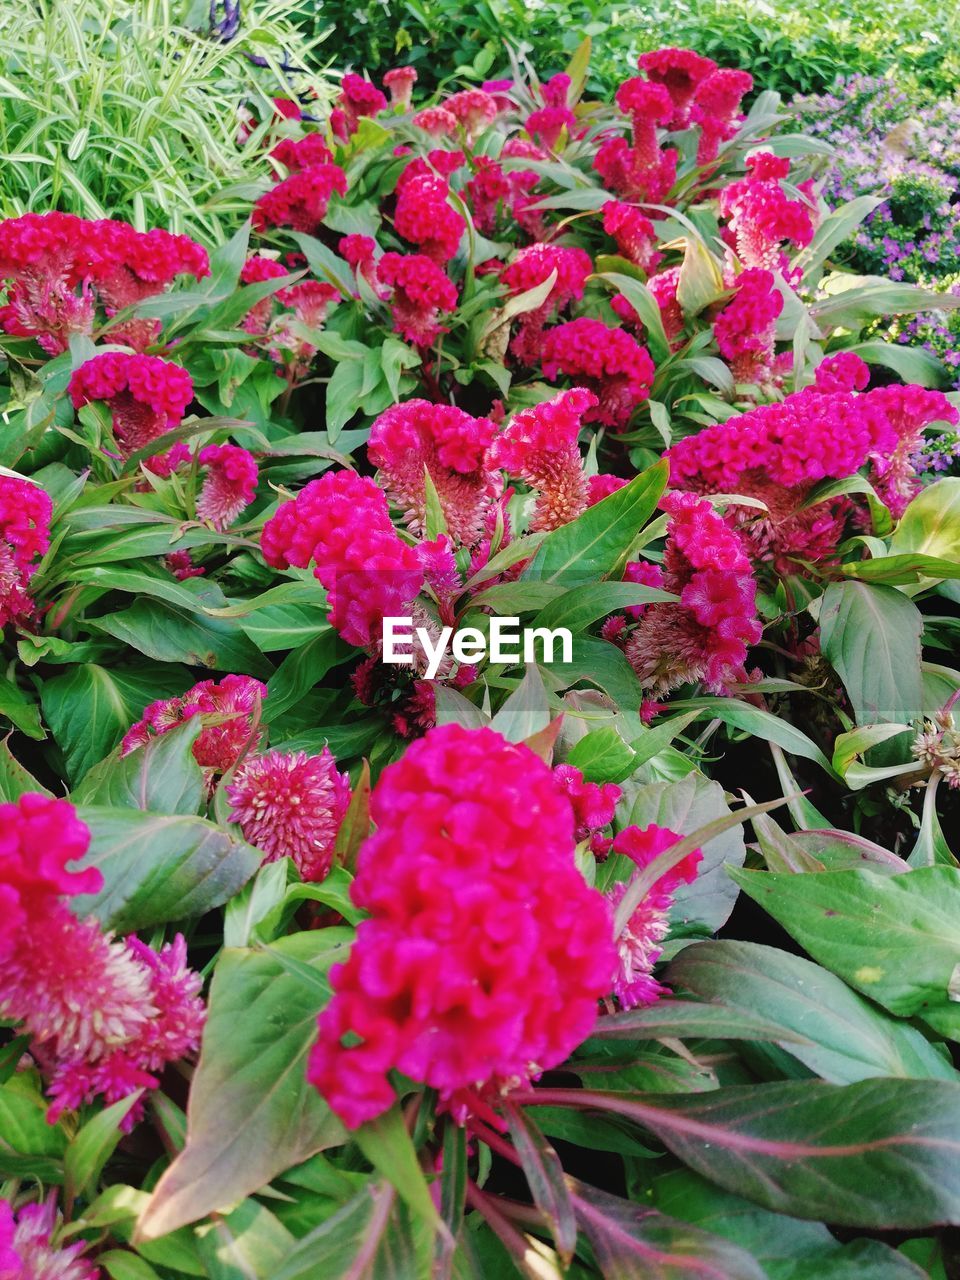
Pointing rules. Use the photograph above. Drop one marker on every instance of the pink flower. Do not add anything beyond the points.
(705, 636)
(341, 523)
(180, 564)
(680, 71)
(601, 486)
(716, 108)
(594, 804)
(452, 446)
(746, 327)
(26, 1246)
(233, 705)
(425, 218)
(291, 805)
(400, 81)
(437, 121)
(634, 234)
(610, 362)
(146, 395)
(546, 125)
(639, 943)
(421, 293)
(664, 286)
(474, 109)
(300, 201)
(469, 881)
(843, 372)
(358, 97)
(302, 153)
(540, 446)
(229, 485)
(532, 266)
(762, 216)
(25, 512)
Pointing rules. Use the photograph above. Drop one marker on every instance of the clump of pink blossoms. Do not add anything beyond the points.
(422, 292)
(531, 267)
(301, 200)
(25, 511)
(229, 485)
(425, 217)
(761, 216)
(746, 327)
(681, 72)
(104, 1016)
(291, 805)
(27, 1251)
(146, 395)
(609, 362)
(469, 880)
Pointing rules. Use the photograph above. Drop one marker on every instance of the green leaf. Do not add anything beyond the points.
(759, 723)
(526, 711)
(830, 1029)
(701, 279)
(931, 523)
(546, 1180)
(387, 1144)
(162, 775)
(832, 231)
(598, 541)
(94, 1144)
(252, 1113)
(646, 307)
(871, 636)
(331, 1250)
(168, 633)
(583, 605)
(22, 712)
(15, 780)
(159, 867)
(603, 756)
(29, 1147)
(301, 670)
(892, 937)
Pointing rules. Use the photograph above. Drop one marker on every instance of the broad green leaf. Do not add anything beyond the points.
(387, 1144)
(832, 231)
(761, 724)
(894, 938)
(831, 1030)
(15, 780)
(526, 711)
(159, 867)
(168, 633)
(871, 636)
(603, 756)
(582, 605)
(22, 712)
(94, 1144)
(162, 775)
(545, 1178)
(251, 1114)
(29, 1147)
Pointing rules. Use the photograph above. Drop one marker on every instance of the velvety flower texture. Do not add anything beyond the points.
(233, 705)
(25, 511)
(341, 523)
(540, 446)
(358, 97)
(300, 201)
(452, 446)
(229, 485)
(594, 804)
(680, 71)
(301, 153)
(634, 233)
(609, 362)
(705, 636)
(425, 217)
(146, 395)
(639, 943)
(469, 881)
(399, 82)
(27, 1251)
(716, 109)
(762, 216)
(291, 805)
(639, 170)
(474, 109)
(104, 1016)
(421, 293)
(745, 328)
(531, 267)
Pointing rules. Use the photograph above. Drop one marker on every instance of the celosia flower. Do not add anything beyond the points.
(452, 446)
(469, 880)
(291, 805)
(180, 564)
(425, 217)
(594, 804)
(647, 105)
(399, 82)
(531, 267)
(632, 175)
(705, 636)
(716, 107)
(540, 446)
(229, 485)
(358, 97)
(474, 109)
(601, 486)
(25, 511)
(610, 362)
(437, 121)
(639, 943)
(300, 201)
(664, 286)
(438, 163)
(103, 1016)
(341, 522)
(233, 705)
(634, 234)
(547, 125)
(421, 293)
(27, 1251)
(146, 395)
(680, 71)
(301, 153)
(762, 216)
(843, 372)
(256, 270)
(746, 327)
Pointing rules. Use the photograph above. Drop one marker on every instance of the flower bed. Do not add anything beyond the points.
(316, 962)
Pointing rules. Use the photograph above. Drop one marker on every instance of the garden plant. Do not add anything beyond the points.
(638, 959)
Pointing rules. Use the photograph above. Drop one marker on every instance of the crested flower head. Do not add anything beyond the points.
(146, 395)
(358, 98)
(422, 292)
(716, 109)
(469, 820)
(639, 943)
(301, 153)
(341, 523)
(594, 804)
(229, 485)
(452, 446)
(437, 121)
(291, 805)
(680, 71)
(533, 266)
(745, 329)
(843, 372)
(474, 109)
(547, 124)
(540, 446)
(762, 216)
(425, 217)
(609, 362)
(300, 201)
(633, 232)
(232, 705)
(399, 82)
(27, 1251)
(25, 512)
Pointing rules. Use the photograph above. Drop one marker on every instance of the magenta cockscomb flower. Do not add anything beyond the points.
(103, 1016)
(421, 293)
(233, 707)
(474, 110)
(639, 943)
(291, 805)
(449, 444)
(146, 395)
(469, 880)
(425, 217)
(540, 447)
(680, 71)
(534, 266)
(399, 82)
(300, 201)
(609, 362)
(25, 512)
(761, 216)
(594, 804)
(27, 1251)
(229, 485)
(716, 109)
(745, 329)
